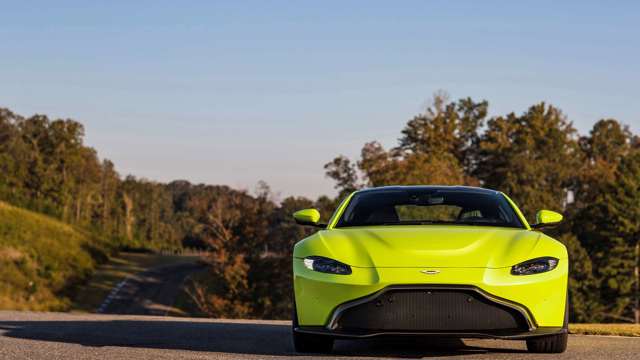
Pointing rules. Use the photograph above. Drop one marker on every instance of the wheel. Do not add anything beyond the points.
(548, 344)
(308, 343)
(553, 343)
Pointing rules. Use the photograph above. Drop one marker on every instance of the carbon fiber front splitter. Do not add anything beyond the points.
(540, 331)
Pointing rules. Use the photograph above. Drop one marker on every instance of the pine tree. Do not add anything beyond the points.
(610, 230)
(607, 146)
(533, 157)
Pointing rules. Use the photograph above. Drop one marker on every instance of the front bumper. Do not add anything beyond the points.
(536, 302)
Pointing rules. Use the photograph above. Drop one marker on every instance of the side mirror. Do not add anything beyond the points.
(546, 218)
(308, 217)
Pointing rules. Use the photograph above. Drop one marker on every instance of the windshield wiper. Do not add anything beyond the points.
(483, 223)
(406, 222)
(433, 222)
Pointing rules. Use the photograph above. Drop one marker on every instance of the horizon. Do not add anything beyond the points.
(228, 94)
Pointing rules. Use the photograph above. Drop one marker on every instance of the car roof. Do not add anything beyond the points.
(464, 189)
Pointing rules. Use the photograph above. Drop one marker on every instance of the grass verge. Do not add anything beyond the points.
(42, 260)
(605, 329)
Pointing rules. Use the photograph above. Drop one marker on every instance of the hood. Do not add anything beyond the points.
(428, 246)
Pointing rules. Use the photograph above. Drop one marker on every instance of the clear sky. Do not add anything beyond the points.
(236, 92)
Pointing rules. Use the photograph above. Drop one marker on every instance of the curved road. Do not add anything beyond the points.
(25, 335)
(152, 292)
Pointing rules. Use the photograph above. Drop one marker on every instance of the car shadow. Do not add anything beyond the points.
(261, 338)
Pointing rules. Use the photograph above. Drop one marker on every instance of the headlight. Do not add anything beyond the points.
(535, 266)
(326, 265)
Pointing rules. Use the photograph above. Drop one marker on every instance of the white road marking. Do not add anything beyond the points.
(112, 295)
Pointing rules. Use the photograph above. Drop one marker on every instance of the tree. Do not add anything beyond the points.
(608, 144)
(344, 173)
(272, 276)
(446, 128)
(13, 159)
(533, 157)
(219, 214)
(403, 168)
(584, 288)
(109, 182)
(436, 147)
(609, 228)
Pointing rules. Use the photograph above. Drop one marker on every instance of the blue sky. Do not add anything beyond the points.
(240, 91)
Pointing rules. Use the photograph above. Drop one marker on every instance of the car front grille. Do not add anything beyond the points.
(429, 310)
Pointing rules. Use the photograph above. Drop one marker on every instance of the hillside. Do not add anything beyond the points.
(41, 259)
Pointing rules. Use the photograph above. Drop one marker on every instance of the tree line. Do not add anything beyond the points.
(537, 157)
(46, 167)
(540, 160)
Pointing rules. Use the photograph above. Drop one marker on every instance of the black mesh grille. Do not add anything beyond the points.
(431, 310)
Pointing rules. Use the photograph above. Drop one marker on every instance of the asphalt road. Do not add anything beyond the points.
(25, 335)
(151, 292)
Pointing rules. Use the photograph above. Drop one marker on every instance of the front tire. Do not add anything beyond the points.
(308, 343)
(554, 343)
(548, 344)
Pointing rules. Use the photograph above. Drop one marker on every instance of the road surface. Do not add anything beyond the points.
(25, 335)
(152, 292)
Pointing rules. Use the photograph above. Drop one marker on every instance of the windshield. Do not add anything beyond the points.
(428, 206)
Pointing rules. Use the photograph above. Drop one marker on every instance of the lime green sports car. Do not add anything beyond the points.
(429, 261)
